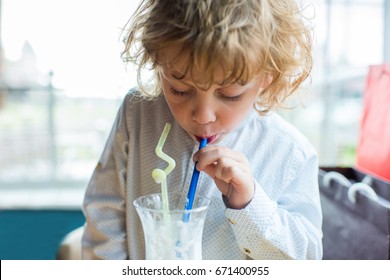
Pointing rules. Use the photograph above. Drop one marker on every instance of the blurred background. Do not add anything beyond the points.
(62, 80)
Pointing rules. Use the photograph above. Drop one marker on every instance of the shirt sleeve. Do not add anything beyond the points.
(104, 202)
(288, 227)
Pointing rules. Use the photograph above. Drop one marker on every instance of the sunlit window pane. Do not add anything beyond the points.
(62, 80)
(61, 83)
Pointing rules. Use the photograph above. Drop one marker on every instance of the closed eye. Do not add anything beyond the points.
(223, 96)
(231, 98)
(179, 93)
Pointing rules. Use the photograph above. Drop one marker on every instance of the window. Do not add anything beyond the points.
(349, 36)
(62, 81)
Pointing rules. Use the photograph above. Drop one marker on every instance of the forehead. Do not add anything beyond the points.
(178, 63)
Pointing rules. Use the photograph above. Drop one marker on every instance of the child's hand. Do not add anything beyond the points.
(231, 173)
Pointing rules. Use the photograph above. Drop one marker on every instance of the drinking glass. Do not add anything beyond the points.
(172, 233)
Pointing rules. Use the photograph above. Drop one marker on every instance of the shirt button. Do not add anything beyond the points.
(233, 222)
(247, 251)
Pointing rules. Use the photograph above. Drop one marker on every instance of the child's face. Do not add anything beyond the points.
(208, 113)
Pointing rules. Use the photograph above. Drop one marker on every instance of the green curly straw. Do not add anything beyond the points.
(160, 176)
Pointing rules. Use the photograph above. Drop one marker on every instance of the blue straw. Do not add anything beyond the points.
(193, 184)
(191, 195)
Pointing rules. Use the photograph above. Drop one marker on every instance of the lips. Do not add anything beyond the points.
(210, 139)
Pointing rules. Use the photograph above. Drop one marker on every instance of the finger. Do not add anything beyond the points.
(228, 171)
(214, 154)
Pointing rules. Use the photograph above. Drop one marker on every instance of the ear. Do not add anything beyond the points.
(266, 81)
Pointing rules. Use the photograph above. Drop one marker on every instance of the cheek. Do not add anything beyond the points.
(231, 118)
(178, 109)
(236, 114)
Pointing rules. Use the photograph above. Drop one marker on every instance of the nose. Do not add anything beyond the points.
(204, 112)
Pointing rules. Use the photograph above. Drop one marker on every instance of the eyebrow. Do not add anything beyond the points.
(177, 75)
(181, 78)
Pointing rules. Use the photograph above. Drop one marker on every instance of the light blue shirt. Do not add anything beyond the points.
(283, 220)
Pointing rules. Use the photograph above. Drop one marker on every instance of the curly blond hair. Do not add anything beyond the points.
(244, 38)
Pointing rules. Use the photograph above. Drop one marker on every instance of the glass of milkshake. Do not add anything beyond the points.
(172, 233)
